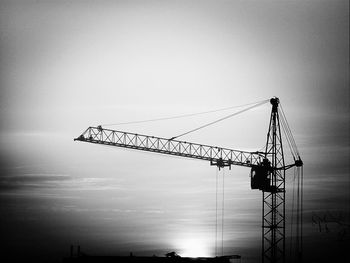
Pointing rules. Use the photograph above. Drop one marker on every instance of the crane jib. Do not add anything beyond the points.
(216, 155)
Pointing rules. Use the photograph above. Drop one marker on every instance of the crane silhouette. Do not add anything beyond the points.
(268, 171)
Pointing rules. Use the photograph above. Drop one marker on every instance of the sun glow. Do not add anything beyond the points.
(194, 248)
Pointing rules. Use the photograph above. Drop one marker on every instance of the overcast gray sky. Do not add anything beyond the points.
(66, 65)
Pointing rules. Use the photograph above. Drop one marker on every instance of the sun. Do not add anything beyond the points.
(194, 248)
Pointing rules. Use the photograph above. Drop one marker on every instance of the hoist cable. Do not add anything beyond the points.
(298, 213)
(292, 217)
(301, 208)
(221, 119)
(223, 211)
(180, 116)
(216, 214)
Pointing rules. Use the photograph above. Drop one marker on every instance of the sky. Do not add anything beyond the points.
(67, 65)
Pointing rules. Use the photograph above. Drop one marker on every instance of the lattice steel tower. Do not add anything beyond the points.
(273, 232)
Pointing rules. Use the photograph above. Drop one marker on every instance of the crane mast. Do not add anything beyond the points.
(273, 207)
(267, 170)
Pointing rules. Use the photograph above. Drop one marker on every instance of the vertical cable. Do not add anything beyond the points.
(216, 215)
(298, 216)
(223, 209)
(292, 217)
(301, 213)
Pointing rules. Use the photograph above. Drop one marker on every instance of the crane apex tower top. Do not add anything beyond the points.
(274, 101)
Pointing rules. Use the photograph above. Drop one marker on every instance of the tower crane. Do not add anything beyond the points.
(267, 174)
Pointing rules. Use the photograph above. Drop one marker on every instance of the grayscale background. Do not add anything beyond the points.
(66, 65)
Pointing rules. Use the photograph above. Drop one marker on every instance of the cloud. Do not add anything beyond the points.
(59, 182)
(18, 181)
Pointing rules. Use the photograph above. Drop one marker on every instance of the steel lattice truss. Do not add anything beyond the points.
(273, 239)
(216, 155)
